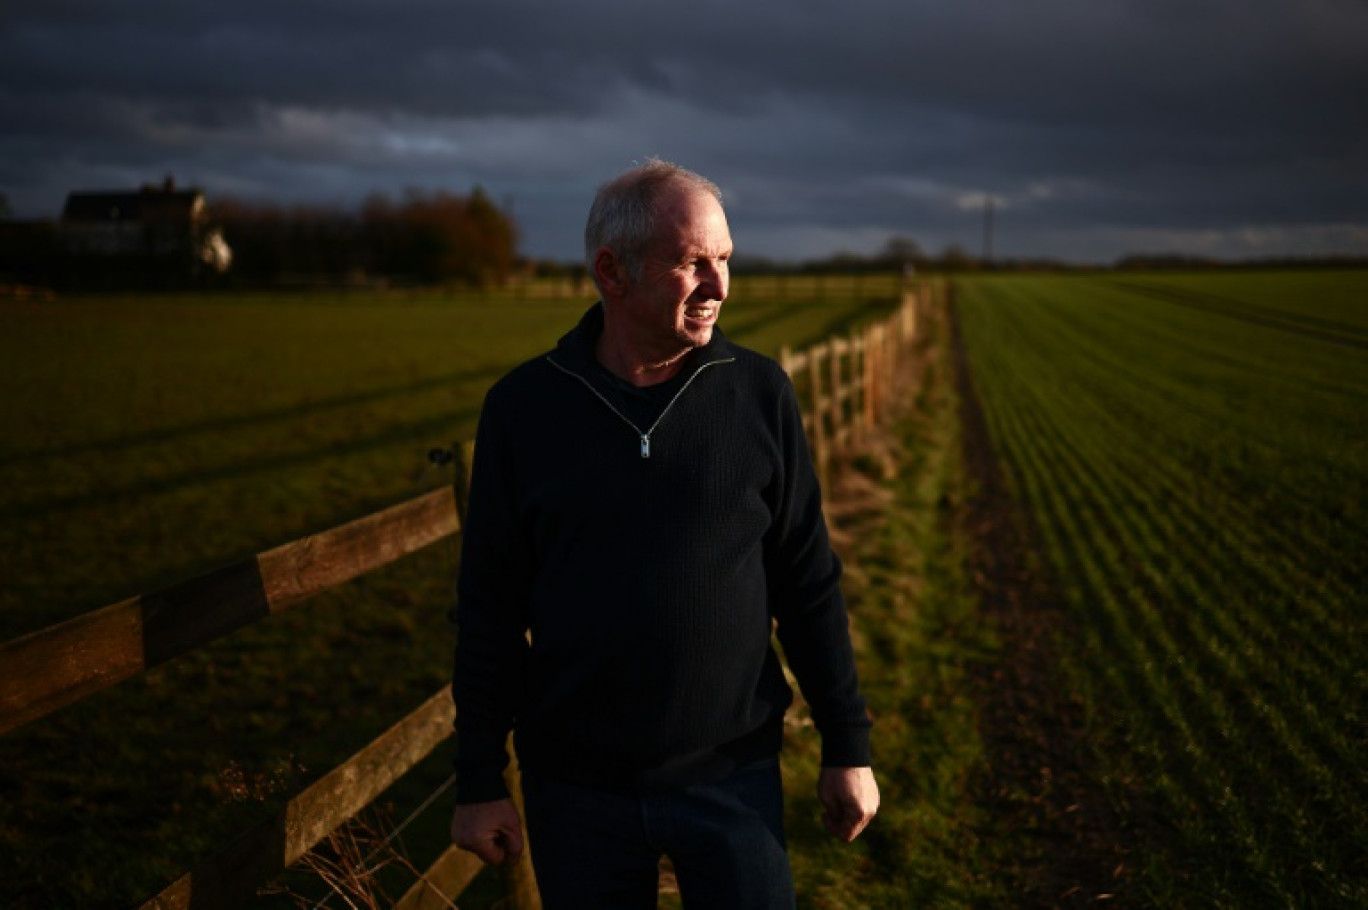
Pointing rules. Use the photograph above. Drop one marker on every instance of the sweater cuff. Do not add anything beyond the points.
(483, 783)
(846, 747)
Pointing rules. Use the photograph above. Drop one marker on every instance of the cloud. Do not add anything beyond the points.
(824, 121)
(1252, 241)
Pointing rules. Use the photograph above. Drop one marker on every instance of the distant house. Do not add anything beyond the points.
(158, 223)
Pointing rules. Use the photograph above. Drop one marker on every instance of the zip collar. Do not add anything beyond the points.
(574, 357)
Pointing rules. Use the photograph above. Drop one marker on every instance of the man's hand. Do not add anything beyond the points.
(849, 798)
(492, 831)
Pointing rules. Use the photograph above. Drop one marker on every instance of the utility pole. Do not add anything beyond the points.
(987, 228)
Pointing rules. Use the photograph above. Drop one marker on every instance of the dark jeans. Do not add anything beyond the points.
(595, 850)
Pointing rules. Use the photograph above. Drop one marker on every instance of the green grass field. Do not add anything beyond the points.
(144, 441)
(1187, 453)
(1192, 451)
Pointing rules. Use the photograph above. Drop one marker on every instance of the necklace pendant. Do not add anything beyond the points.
(645, 447)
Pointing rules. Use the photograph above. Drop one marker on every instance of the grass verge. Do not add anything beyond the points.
(920, 641)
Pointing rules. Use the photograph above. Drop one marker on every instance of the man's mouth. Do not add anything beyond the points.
(701, 313)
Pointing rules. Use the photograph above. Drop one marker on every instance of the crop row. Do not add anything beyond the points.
(1191, 517)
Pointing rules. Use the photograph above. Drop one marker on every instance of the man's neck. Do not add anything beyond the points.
(633, 367)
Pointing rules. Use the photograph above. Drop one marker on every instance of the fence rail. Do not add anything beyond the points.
(849, 381)
(62, 664)
(847, 389)
(232, 878)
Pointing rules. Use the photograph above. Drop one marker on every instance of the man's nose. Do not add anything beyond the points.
(714, 281)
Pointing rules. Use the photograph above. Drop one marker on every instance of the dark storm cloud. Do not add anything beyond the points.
(1094, 127)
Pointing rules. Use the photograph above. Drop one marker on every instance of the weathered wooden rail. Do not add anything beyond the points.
(847, 389)
(65, 663)
(849, 381)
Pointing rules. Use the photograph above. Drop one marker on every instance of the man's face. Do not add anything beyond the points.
(684, 278)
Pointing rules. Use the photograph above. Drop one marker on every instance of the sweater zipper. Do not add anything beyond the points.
(646, 436)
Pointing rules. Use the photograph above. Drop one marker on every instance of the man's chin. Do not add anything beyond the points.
(696, 336)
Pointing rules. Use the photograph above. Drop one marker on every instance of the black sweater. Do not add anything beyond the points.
(647, 560)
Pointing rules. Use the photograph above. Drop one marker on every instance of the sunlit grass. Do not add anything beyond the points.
(147, 440)
(918, 635)
(1192, 451)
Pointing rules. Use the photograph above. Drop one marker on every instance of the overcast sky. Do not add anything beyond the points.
(1097, 127)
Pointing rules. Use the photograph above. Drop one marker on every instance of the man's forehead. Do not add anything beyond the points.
(692, 219)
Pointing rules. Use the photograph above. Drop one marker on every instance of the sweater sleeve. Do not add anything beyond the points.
(491, 618)
(813, 627)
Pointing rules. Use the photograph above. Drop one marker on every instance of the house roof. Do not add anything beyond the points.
(159, 204)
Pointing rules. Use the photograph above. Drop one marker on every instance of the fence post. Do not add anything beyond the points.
(819, 434)
(838, 392)
(871, 382)
(892, 332)
(464, 452)
(858, 405)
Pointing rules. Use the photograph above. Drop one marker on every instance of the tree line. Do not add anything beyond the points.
(421, 238)
(898, 254)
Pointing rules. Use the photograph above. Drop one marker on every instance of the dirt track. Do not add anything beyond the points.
(1039, 787)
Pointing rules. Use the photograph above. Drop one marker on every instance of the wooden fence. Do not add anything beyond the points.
(847, 383)
(847, 389)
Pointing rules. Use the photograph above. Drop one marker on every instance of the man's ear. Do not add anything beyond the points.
(609, 273)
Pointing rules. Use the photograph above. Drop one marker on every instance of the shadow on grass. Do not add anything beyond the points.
(872, 309)
(1327, 330)
(247, 421)
(1040, 787)
(421, 433)
(764, 314)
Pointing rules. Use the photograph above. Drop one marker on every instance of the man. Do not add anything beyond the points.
(643, 513)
